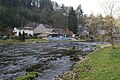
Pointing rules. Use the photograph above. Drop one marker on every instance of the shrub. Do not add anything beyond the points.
(28, 76)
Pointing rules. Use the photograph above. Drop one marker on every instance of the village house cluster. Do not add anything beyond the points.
(42, 30)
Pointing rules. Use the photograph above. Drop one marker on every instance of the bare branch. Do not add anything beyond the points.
(109, 7)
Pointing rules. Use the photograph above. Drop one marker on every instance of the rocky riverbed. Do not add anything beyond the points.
(48, 59)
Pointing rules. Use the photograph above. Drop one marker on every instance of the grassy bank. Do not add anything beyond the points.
(28, 76)
(9, 41)
(14, 41)
(100, 65)
(35, 40)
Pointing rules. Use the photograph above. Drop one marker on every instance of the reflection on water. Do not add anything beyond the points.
(45, 58)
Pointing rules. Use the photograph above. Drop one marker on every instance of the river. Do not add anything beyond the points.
(46, 58)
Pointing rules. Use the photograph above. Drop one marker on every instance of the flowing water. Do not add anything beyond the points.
(46, 58)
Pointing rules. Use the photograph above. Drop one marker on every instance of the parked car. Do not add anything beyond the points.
(4, 37)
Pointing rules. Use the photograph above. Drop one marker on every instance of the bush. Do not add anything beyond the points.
(16, 37)
(28, 76)
(34, 37)
(4, 38)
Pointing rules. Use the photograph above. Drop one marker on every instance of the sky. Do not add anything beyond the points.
(88, 6)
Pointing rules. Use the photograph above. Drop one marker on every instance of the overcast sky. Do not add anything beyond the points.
(88, 6)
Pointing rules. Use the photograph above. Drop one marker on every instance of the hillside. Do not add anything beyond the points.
(17, 13)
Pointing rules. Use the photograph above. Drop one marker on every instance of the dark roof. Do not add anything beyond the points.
(25, 28)
(66, 31)
(29, 26)
(47, 26)
(60, 31)
(32, 25)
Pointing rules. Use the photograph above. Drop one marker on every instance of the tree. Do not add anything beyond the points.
(28, 4)
(46, 3)
(20, 36)
(56, 4)
(23, 36)
(63, 6)
(60, 20)
(72, 21)
(110, 8)
(79, 11)
(91, 24)
(45, 16)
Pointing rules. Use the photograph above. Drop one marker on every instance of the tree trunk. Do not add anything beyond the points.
(111, 32)
(112, 42)
(112, 37)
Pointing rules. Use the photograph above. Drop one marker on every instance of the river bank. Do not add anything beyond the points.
(38, 40)
(15, 41)
(102, 64)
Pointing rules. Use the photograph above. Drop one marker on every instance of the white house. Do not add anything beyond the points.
(40, 30)
(27, 30)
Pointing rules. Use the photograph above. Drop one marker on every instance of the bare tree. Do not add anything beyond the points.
(110, 9)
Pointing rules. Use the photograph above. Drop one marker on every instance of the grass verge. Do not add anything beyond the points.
(28, 76)
(14, 41)
(9, 41)
(35, 40)
(100, 65)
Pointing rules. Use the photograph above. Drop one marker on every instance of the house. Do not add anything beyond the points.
(57, 32)
(42, 30)
(27, 30)
(82, 31)
(68, 33)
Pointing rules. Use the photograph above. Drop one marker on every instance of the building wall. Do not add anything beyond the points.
(49, 31)
(39, 29)
(42, 31)
(26, 31)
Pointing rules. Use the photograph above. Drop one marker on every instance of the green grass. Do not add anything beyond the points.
(9, 41)
(38, 40)
(82, 40)
(28, 76)
(14, 41)
(100, 65)
(35, 40)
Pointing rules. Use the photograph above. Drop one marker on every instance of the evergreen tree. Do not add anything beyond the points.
(46, 3)
(28, 4)
(23, 36)
(63, 6)
(72, 21)
(56, 4)
(20, 36)
(79, 11)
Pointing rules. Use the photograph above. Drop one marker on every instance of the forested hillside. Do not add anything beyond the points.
(16, 13)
